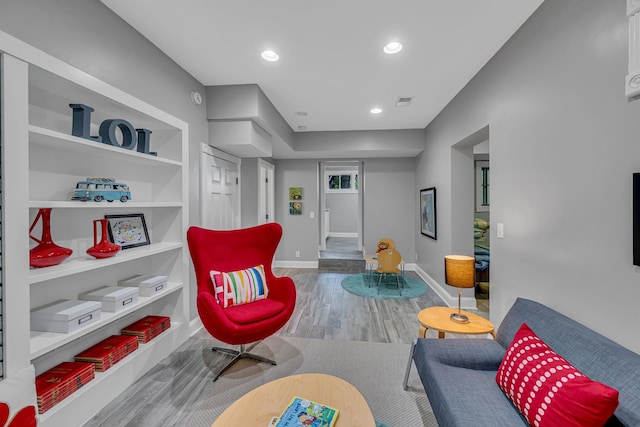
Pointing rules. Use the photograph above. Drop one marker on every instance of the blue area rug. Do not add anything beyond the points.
(366, 286)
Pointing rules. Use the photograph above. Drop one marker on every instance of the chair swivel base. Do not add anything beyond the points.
(243, 353)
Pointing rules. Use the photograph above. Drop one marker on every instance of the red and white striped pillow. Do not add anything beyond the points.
(239, 287)
(548, 390)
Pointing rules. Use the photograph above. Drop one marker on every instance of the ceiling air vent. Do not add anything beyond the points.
(404, 101)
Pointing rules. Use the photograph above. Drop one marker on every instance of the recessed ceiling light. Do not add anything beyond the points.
(376, 110)
(393, 47)
(269, 55)
(302, 128)
(301, 113)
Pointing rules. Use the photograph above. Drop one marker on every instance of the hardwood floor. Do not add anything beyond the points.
(325, 310)
(341, 248)
(169, 395)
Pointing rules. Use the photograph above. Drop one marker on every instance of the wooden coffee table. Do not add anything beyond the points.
(438, 318)
(257, 407)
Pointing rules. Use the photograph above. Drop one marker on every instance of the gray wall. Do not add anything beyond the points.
(301, 233)
(344, 212)
(389, 206)
(563, 147)
(87, 35)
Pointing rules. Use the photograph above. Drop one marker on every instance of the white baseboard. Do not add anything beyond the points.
(296, 264)
(409, 266)
(467, 303)
(194, 326)
(314, 264)
(336, 234)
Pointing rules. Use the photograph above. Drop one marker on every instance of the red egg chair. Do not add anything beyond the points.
(225, 251)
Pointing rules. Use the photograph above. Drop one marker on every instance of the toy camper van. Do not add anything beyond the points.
(99, 189)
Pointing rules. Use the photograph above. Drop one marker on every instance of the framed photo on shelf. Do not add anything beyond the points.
(428, 213)
(128, 231)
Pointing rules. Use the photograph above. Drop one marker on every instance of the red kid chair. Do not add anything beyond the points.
(235, 250)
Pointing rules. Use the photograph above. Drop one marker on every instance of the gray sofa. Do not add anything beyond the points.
(458, 375)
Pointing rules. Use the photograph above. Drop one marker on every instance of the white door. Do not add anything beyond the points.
(220, 198)
(265, 192)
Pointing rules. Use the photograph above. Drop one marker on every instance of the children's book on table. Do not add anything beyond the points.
(306, 413)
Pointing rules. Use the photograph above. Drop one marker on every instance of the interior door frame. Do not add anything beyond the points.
(269, 189)
(322, 167)
(208, 150)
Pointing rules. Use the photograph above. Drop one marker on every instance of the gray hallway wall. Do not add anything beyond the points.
(564, 145)
(344, 212)
(389, 206)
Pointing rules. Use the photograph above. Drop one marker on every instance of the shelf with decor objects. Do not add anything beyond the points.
(60, 141)
(43, 342)
(101, 205)
(86, 263)
(79, 405)
(142, 146)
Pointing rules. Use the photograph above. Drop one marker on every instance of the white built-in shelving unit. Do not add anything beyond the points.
(42, 162)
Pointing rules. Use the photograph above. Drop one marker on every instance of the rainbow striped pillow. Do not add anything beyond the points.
(239, 287)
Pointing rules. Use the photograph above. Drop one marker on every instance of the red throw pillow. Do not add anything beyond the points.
(548, 390)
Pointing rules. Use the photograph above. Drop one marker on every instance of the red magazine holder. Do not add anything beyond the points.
(234, 250)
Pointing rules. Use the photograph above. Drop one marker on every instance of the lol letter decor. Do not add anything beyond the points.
(81, 127)
(46, 253)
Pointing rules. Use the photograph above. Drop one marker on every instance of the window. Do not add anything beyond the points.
(482, 186)
(341, 182)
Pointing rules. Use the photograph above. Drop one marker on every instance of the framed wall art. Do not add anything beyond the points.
(428, 213)
(128, 231)
(295, 193)
(295, 208)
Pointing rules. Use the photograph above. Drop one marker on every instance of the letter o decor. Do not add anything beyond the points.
(108, 133)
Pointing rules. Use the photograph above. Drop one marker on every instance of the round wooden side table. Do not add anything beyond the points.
(438, 318)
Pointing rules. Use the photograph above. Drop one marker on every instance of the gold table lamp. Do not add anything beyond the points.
(460, 272)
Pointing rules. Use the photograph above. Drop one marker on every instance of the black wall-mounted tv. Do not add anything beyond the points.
(636, 219)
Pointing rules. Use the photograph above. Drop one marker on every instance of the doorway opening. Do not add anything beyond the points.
(340, 193)
(470, 216)
(482, 221)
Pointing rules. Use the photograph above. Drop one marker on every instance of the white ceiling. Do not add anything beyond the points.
(331, 61)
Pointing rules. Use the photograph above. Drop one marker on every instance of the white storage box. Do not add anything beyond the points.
(148, 284)
(113, 298)
(65, 316)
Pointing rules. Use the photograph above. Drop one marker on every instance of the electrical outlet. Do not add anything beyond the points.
(297, 254)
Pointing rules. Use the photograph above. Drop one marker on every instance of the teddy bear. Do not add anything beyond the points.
(385, 243)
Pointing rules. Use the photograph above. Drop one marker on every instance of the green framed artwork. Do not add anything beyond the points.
(295, 208)
(295, 193)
